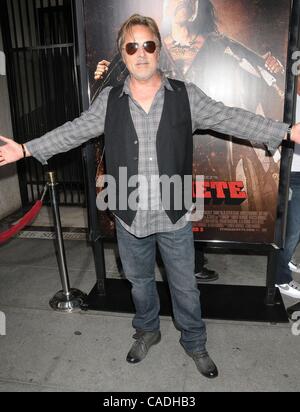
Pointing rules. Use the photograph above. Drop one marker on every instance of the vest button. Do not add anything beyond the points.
(135, 158)
(135, 142)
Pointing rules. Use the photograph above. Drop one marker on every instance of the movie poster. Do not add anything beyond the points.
(296, 157)
(232, 52)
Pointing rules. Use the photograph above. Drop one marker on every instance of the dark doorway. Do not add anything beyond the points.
(38, 37)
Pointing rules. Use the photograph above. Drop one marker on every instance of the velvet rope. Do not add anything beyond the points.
(26, 219)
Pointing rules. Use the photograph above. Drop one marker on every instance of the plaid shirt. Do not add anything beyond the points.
(206, 114)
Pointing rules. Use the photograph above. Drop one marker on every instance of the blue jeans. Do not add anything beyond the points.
(177, 251)
(284, 274)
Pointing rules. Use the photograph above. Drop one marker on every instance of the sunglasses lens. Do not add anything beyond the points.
(150, 46)
(131, 48)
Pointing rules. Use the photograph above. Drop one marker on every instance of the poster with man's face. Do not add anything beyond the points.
(230, 50)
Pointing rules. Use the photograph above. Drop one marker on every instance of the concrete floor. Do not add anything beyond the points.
(46, 351)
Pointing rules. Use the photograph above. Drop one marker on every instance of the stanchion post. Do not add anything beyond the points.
(66, 300)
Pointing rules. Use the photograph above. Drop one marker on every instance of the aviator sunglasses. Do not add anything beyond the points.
(148, 46)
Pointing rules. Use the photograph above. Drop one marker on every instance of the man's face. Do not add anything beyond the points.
(181, 10)
(141, 65)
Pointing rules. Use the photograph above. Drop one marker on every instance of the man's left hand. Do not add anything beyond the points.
(295, 134)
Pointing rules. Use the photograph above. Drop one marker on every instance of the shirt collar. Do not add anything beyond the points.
(165, 83)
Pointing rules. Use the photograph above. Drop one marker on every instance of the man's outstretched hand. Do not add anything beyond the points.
(295, 134)
(10, 152)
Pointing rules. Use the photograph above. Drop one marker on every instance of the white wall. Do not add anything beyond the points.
(9, 186)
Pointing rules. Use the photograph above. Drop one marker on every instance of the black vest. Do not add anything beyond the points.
(174, 144)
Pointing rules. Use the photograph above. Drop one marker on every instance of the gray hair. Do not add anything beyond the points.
(135, 20)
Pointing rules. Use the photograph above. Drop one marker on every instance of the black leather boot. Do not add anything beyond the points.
(140, 348)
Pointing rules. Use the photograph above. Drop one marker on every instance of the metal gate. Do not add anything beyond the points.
(38, 39)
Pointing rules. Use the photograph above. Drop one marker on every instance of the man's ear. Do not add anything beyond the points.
(158, 54)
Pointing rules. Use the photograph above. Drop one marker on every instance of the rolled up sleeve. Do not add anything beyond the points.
(208, 114)
(72, 134)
